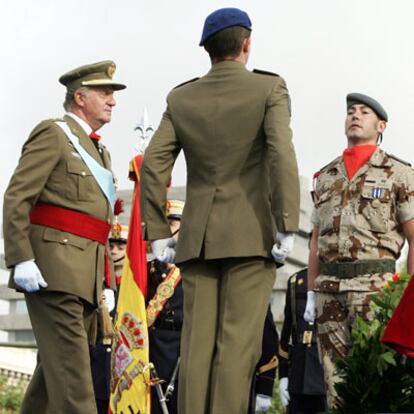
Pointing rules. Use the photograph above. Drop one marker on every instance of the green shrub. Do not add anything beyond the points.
(277, 407)
(375, 378)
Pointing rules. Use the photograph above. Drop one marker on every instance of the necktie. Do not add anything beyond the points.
(94, 135)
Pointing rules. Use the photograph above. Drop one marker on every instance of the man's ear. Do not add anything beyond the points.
(78, 97)
(246, 45)
(381, 126)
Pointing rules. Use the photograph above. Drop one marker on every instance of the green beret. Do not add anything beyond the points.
(95, 74)
(359, 98)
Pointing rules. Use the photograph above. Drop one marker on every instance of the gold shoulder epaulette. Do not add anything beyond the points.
(265, 72)
(185, 83)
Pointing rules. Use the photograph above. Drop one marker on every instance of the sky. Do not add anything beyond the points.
(324, 49)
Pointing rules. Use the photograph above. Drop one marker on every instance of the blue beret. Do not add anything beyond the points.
(359, 98)
(222, 19)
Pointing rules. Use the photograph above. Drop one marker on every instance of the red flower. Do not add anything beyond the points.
(396, 277)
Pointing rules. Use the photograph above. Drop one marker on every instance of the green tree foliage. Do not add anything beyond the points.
(376, 379)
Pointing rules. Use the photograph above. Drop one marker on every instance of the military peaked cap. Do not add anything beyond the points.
(95, 74)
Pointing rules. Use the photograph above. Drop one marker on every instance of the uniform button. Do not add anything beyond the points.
(65, 240)
(83, 173)
(108, 349)
(285, 215)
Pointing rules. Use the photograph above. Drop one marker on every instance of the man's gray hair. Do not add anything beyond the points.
(70, 97)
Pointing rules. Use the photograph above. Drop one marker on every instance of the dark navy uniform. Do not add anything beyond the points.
(164, 335)
(101, 373)
(299, 361)
(266, 368)
(100, 355)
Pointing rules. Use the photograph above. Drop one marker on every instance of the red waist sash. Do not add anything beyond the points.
(70, 221)
(76, 223)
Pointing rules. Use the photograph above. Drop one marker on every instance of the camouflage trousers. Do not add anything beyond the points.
(336, 310)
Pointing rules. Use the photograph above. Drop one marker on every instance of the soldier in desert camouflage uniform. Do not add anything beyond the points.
(364, 210)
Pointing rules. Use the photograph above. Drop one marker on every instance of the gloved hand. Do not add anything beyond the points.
(263, 403)
(27, 276)
(283, 246)
(108, 297)
(164, 249)
(283, 391)
(309, 314)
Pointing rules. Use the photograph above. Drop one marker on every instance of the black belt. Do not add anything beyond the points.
(168, 324)
(346, 270)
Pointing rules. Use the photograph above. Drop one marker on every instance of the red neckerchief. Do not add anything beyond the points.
(356, 157)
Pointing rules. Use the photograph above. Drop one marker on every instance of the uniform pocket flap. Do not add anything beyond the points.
(377, 187)
(77, 167)
(371, 193)
(57, 236)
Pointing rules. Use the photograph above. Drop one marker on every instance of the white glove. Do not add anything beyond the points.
(108, 297)
(309, 314)
(27, 276)
(164, 249)
(283, 391)
(283, 246)
(263, 403)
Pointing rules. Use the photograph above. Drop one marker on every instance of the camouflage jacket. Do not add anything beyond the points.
(360, 219)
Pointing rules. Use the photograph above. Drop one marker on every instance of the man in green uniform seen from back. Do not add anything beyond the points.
(242, 207)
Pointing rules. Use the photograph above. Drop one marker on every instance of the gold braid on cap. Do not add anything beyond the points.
(116, 229)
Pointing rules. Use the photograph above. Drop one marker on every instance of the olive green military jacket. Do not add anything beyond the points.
(51, 171)
(242, 177)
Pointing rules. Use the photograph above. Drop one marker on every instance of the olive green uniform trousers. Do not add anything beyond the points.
(62, 380)
(225, 304)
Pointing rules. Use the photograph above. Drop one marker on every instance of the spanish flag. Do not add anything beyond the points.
(130, 377)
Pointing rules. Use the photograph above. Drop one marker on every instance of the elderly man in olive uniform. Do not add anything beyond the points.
(56, 212)
(364, 210)
(242, 185)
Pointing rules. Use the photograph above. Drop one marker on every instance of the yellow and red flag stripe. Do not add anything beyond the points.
(130, 390)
